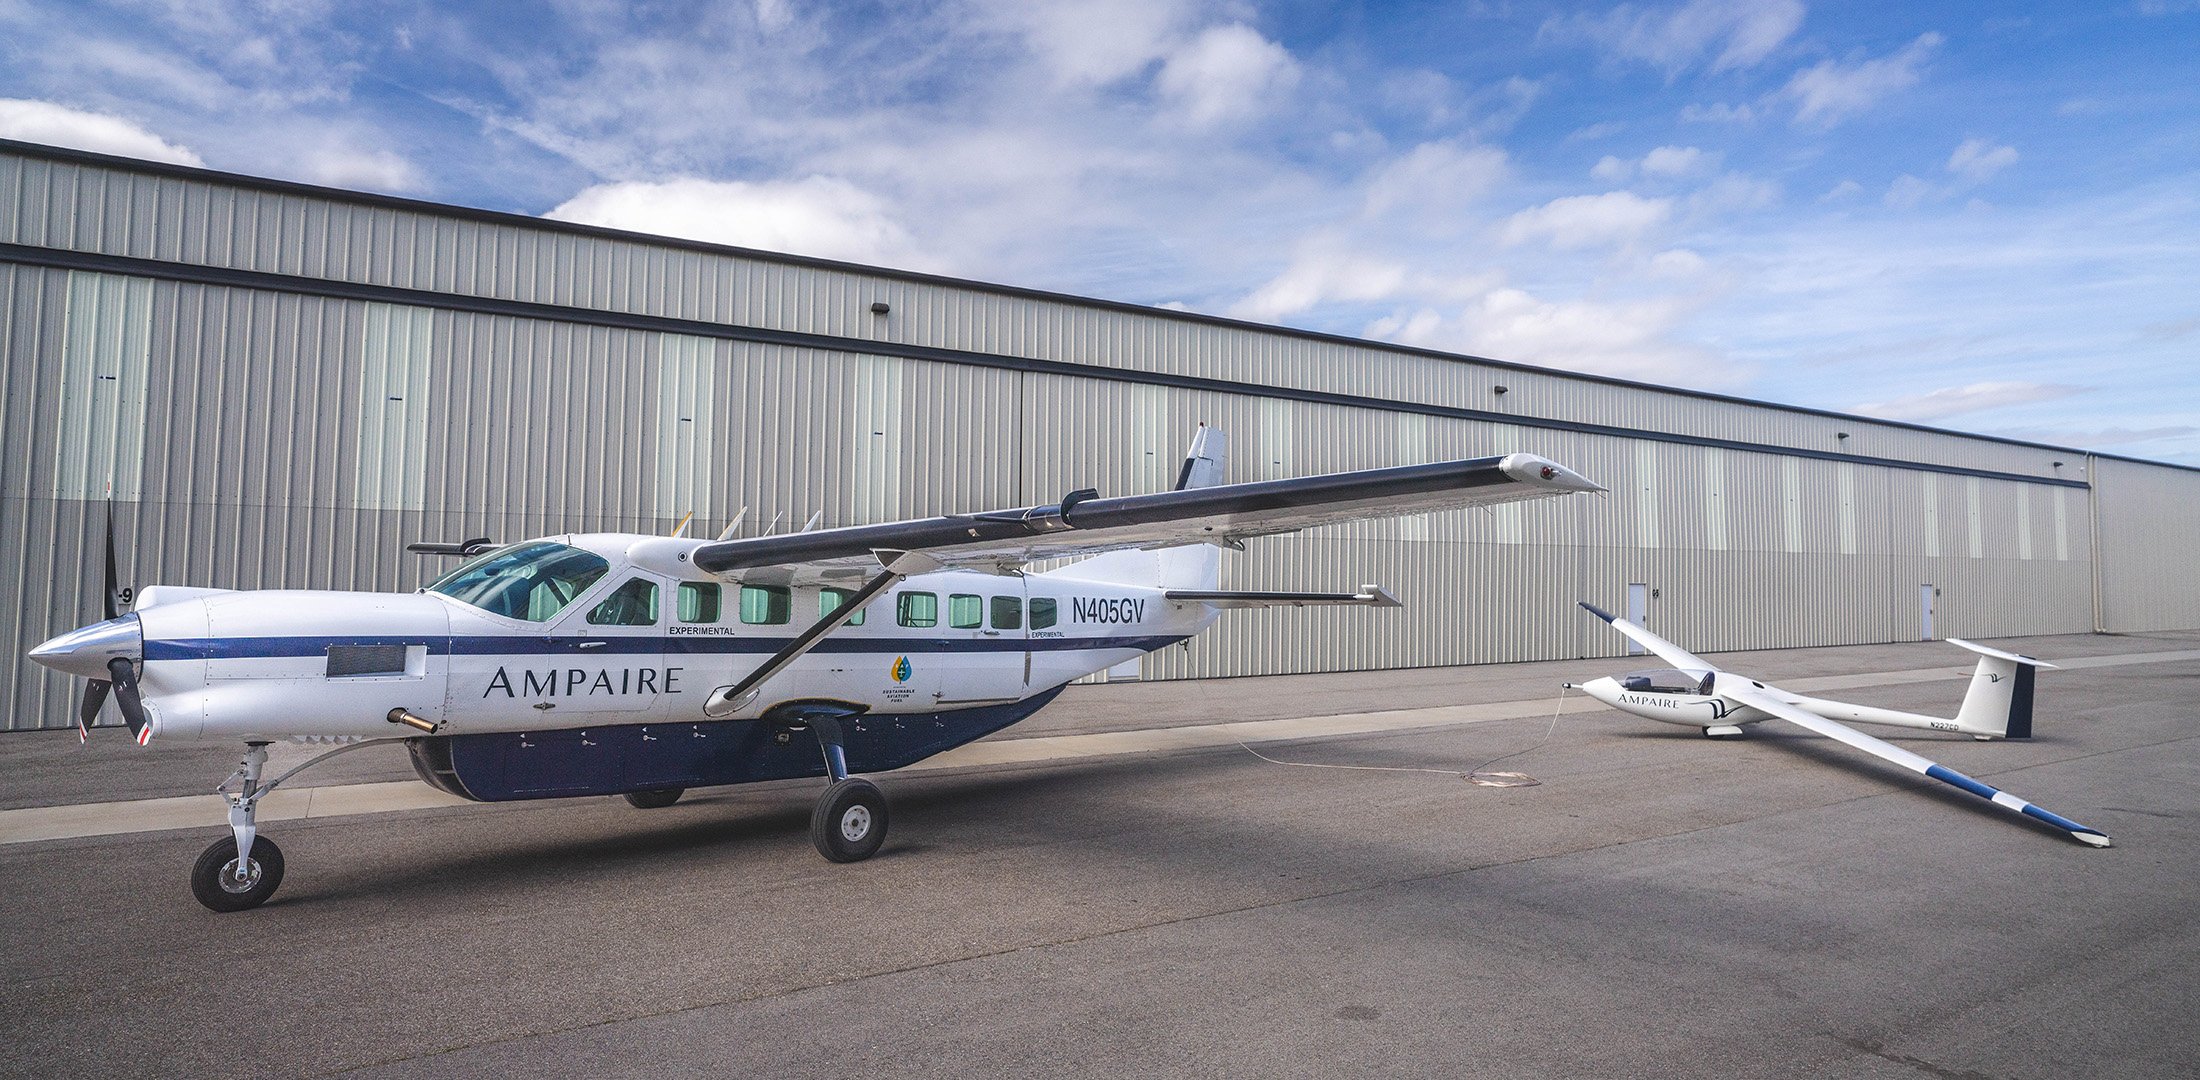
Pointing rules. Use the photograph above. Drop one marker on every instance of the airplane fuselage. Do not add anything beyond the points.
(331, 666)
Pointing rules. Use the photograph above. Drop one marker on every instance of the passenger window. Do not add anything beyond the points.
(632, 604)
(917, 609)
(829, 601)
(699, 601)
(1008, 613)
(766, 605)
(965, 612)
(1042, 612)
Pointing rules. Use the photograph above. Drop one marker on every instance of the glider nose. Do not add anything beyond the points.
(86, 650)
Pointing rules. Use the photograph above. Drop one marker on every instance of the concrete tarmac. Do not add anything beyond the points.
(1659, 905)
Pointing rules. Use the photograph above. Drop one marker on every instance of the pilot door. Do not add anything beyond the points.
(609, 656)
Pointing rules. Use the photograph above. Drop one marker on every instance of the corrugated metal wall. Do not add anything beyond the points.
(254, 438)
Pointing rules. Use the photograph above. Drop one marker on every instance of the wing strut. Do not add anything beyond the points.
(895, 565)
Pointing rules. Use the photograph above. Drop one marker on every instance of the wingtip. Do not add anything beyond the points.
(2088, 836)
(1595, 610)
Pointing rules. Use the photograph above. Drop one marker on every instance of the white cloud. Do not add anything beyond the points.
(1086, 43)
(1718, 113)
(820, 215)
(1579, 221)
(1604, 129)
(1744, 32)
(1436, 178)
(1846, 189)
(1633, 339)
(1977, 160)
(1227, 73)
(363, 170)
(1833, 91)
(1320, 276)
(59, 125)
(1676, 161)
(1665, 162)
(773, 14)
(1973, 163)
(1974, 397)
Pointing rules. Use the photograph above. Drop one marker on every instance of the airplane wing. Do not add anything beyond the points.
(1661, 648)
(1743, 691)
(1085, 524)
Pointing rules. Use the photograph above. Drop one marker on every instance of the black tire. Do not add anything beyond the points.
(655, 798)
(849, 823)
(220, 894)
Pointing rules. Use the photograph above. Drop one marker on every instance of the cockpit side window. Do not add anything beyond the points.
(531, 582)
(631, 604)
(1666, 681)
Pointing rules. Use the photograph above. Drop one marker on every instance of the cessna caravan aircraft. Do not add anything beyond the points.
(619, 664)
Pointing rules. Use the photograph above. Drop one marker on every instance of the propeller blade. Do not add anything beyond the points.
(95, 695)
(112, 597)
(126, 694)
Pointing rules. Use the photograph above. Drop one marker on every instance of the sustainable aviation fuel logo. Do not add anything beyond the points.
(901, 669)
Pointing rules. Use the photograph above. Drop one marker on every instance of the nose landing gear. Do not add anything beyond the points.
(241, 870)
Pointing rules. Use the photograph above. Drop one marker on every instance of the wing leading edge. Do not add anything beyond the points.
(1085, 524)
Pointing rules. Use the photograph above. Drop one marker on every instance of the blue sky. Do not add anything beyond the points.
(1976, 216)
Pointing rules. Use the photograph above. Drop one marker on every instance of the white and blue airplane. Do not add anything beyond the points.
(620, 664)
(1694, 694)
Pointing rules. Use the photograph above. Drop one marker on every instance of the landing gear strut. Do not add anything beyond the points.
(849, 822)
(241, 870)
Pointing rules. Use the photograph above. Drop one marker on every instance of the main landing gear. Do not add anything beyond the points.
(849, 822)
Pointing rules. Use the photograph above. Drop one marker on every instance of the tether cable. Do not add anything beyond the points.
(1479, 775)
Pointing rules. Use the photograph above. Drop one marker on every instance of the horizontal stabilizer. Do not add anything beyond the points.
(1368, 596)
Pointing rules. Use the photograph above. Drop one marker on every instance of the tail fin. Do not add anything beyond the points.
(2000, 699)
(1203, 459)
(1193, 566)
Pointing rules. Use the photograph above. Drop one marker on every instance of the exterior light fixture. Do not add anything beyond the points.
(880, 307)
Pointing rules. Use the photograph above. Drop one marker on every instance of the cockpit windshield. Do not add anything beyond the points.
(1666, 681)
(532, 581)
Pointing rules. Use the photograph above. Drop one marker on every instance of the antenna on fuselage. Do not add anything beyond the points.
(682, 530)
(727, 533)
(814, 519)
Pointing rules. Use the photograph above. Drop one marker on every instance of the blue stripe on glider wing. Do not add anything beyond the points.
(1950, 776)
(256, 648)
(2057, 820)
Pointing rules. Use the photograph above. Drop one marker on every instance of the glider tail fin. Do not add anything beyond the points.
(1999, 701)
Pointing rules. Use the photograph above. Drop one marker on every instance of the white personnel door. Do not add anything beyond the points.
(1638, 612)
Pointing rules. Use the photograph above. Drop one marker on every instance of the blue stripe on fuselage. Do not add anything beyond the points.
(256, 648)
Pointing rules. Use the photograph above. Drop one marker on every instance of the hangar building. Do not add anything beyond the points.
(277, 385)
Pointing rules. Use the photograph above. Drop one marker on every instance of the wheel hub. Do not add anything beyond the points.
(236, 880)
(855, 823)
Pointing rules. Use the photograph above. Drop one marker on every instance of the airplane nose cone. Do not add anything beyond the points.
(86, 650)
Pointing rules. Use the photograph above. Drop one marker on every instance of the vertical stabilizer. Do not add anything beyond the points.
(1192, 566)
(1999, 701)
(1203, 459)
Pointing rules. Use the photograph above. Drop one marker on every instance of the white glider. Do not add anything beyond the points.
(1997, 706)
